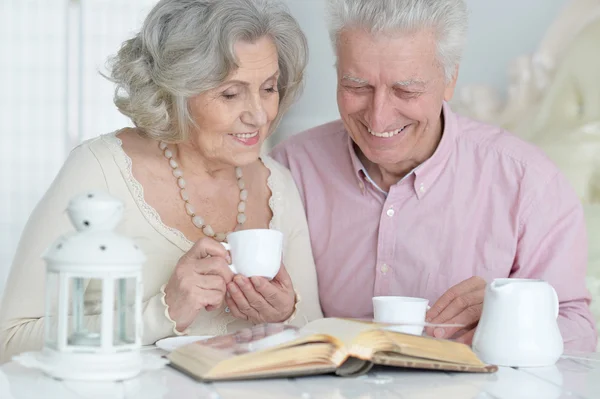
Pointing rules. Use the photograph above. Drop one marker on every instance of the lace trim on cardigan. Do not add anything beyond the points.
(116, 145)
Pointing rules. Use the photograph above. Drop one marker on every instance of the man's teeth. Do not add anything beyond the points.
(386, 134)
(246, 135)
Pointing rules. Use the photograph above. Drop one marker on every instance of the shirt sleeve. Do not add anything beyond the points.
(22, 308)
(282, 153)
(553, 246)
(279, 153)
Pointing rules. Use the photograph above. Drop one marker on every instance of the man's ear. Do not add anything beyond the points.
(451, 85)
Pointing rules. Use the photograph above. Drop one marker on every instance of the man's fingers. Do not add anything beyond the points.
(462, 288)
(467, 318)
(468, 303)
(467, 338)
(458, 305)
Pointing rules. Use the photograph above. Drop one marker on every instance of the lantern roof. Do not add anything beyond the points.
(95, 215)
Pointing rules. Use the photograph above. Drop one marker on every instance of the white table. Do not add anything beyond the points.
(576, 376)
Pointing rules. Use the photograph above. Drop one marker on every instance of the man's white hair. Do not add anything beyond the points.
(447, 18)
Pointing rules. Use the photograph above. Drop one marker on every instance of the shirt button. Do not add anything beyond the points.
(422, 188)
(227, 309)
(384, 268)
(361, 185)
(390, 212)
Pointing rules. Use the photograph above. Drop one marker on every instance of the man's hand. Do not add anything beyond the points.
(461, 304)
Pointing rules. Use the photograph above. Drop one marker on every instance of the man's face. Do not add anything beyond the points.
(390, 93)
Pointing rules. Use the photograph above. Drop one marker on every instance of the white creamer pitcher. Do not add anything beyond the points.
(518, 326)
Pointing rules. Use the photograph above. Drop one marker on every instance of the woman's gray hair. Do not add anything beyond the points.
(448, 19)
(186, 47)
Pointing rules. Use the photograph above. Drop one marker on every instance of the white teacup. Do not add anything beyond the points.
(401, 310)
(255, 252)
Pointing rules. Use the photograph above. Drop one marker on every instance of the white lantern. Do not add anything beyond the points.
(93, 319)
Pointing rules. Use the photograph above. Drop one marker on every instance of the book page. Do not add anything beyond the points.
(314, 358)
(320, 346)
(346, 331)
(433, 348)
(317, 356)
(398, 360)
(264, 349)
(364, 339)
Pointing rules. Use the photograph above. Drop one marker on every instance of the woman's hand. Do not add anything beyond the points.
(262, 301)
(199, 282)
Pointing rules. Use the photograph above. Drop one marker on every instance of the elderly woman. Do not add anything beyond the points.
(205, 82)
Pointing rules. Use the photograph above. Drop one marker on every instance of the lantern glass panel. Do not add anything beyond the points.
(86, 299)
(50, 321)
(124, 322)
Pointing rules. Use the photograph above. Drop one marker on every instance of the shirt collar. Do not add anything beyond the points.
(359, 170)
(425, 174)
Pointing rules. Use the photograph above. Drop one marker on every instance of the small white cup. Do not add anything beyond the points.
(255, 252)
(401, 309)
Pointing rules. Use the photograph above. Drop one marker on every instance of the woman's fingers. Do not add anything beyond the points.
(206, 247)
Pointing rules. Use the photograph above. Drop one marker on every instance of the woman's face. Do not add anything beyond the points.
(234, 119)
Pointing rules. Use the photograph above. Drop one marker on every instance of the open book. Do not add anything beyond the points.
(341, 346)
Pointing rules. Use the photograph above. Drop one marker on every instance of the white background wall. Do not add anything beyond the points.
(37, 130)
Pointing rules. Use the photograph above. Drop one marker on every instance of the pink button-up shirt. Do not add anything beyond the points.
(485, 204)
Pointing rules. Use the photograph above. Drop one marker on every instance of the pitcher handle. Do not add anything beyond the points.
(556, 302)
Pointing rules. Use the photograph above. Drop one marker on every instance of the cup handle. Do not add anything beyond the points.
(228, 247)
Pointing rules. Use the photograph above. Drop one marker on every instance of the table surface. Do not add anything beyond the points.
(576, 375)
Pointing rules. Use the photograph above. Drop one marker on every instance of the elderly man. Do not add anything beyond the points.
(404, 197)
